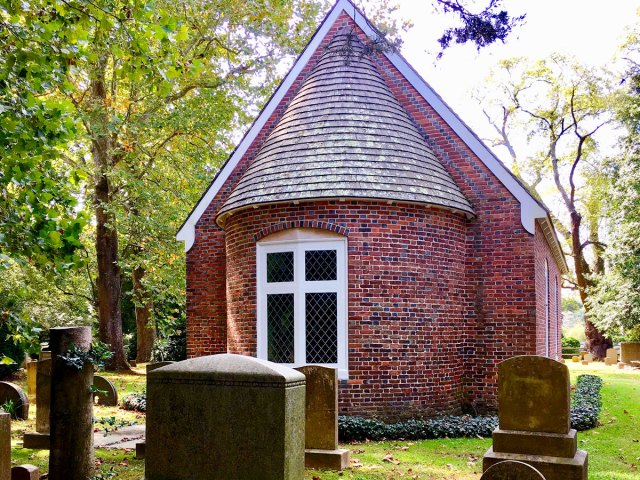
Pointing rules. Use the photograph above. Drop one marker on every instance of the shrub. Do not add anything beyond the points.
(451, 426)
(586, 403)
(173, 348)
(10, 350)
(570, 342)
(135, 401)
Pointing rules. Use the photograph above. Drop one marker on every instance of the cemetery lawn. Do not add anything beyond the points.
(614, 446)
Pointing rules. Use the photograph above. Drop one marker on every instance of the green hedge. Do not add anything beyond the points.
(585, 410)
(586, 402)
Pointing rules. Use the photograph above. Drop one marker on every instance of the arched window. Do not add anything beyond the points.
(302, 298)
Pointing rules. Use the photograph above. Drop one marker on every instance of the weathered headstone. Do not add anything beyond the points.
(108, 394)
(153, 366)
(534, 419)
(40, 438)
(10, 392)
(511, 470)
(25, 472)
(588, 357)
(629, 351)
(321, 419)
(32, 371)
(240, 418)
(71, 418)
(5, 446)
(621, 365)
(585, 362)
(612, 357)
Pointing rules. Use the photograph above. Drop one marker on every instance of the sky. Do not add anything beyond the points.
(590, 30)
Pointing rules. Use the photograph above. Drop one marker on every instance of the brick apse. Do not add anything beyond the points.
(361, 224)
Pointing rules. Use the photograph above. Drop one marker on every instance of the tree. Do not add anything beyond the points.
(615, 302)
(562, 106)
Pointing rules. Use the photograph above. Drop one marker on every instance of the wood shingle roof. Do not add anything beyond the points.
(345, 135)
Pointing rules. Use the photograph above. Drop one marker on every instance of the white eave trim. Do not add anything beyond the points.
(530, 209)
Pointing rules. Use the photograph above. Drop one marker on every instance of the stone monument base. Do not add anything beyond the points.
(326, 459)
(36, 440)
(535, 443)
(610, 361)
(553, 468)
(140, 448)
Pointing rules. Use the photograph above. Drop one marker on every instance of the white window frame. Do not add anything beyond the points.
(299, 287)
(546, 306)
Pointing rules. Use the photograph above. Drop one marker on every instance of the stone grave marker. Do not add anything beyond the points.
(534, 419)
(25, 472)
(40, 438)
(71, 418)
(588, 357)
(32, 371)
(612, 357)
(240, 418)
(321, 419)
(108, 395)
(629, 351)
(5, 446)
(10, 392)
(511, 470)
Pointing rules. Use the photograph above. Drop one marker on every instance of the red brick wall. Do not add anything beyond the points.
(543, 252)
(477, 307)
(405, 321)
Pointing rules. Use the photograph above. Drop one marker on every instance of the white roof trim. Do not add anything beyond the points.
(530, 209)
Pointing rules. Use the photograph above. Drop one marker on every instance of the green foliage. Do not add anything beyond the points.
(10, 408)
(361, 429)
(586, 403)
(135, 401)
(11, 354)
(570, 342)
(96, 356)
(111, 424)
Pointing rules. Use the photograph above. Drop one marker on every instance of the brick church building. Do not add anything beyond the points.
(361, 224)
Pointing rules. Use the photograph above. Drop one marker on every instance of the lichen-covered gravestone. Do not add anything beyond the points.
(40, 438)
(612, 357)
(321, 417)
(224, 417)
(534, 419)
(13, 394)
(107, 394)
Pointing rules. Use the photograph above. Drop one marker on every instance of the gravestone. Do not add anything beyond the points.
(32, 371)
(588, 357)
(612, 357)
(629, 351)
(71, 418)
(321, 419)
(108, 395)
(511, 470)
(5, 446)
(153, 366)
(40, 438)
(10, 392)
(25, 472)
(225, 417)
(534, 419)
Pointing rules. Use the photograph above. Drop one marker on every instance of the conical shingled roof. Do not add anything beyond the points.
(345, 135)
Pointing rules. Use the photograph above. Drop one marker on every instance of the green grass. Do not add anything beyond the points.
(613, 447)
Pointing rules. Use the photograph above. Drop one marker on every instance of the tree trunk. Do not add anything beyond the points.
(597, 343)
(145, 330)
(108, 281)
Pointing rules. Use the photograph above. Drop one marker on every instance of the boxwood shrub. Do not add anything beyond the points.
(586, 402)
(585, 409)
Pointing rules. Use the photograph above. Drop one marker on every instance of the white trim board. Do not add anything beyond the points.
(530, 208)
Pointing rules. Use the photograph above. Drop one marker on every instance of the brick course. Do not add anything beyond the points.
(436, 300)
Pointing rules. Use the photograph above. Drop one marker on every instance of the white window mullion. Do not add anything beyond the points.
(300, 346)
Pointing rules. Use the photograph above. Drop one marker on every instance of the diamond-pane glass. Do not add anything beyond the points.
(320, 265)
(321, 317)
(280, 327)
(280, 267)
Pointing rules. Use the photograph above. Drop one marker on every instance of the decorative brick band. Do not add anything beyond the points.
(277, 227)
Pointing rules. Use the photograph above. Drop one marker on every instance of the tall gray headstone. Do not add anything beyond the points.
(71, 456)
(225, 417)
